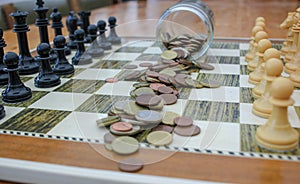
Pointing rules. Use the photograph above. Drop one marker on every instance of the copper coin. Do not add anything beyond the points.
(181, 81)
(109, 138)
(130, 165)
(152, 74)
(166, 61)
(173, 64)
(183, 121)
(165, 128)
(155, 86)
(173, 81)
(165, 90)
(168, 99)
(132, 75)
(206, 66)
(180, 52)
(121, 126)
(164, 79)
(175, 92)
(111, 80)
(159, 67)
(187, 131)
(181, 75)
(147, 100)
(145, 64)
(130, 66)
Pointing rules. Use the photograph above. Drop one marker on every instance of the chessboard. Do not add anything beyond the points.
(228, 126)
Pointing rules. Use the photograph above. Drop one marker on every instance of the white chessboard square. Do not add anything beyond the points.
(224, 52)
(296, 97)
(140, 43)
(224, 69)
(244, 82)
(242, 61)
(120, 88)
(97, 74)
(244, 46)
(213, 136)
(10, 112)
(61, 101)
(178, 107)
(80, 124)
(247, 117)
(153, 50)
(122, 56)
(221, 94)
(31, 85)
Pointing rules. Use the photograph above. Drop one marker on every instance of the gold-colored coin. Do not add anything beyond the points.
(168, 117)
(107, 121)
(131, 108)
(169, 54)
(168, 72)
(210, 83)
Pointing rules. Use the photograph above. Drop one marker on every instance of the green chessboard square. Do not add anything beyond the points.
(132, 49)
(246, 95)
(34, 120)
(224, 79)
(36, 95)
(243, 52)
(248, 142)
(225, 45)
(100, 103)
(223, 59)
(213, 111)
(184, 93)
(109, 64)
(243, 70)
(77, 71)
(81, 86)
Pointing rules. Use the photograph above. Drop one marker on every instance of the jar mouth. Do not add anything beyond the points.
(186, 19)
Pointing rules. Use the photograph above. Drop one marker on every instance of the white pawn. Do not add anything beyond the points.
(277, 134)
(262, 107)
(259, 89)
(251, 51)
(295, 77)
(258, 36)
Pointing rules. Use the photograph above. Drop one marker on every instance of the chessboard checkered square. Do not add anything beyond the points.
(224, 79)
(80, 124)
(222, 59)
(244, 82)
(224, 52)
(121, 88)
(221, 94)
(36, 95)
(80, 86)
(153, 50)
(178, 107)
(10, 112)
(97, 74)
(244, 46)
(61, 101)
(225, 45)
(224, 69)
(141, 43)
(122, 56)
(246, 95)
(40, 121)
(110, 64)
(131, 49)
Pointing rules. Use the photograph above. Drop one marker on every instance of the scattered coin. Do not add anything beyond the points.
(159, 67)
(165, 128)
(167, 72)
(143, 90)
(165, 90)
(109, 138)
(111, 80)
(169, 54)
(164, 79)
(131, 108)
(159, 138)
(135, 130)
(210, 83)
(148, 100)
(125, 145)
(130, 165)
(155, 86)
(119, 105)
(121, 126)
(187, 131)
(107, 121)
(132, 76)
(158, 106)
(145, 64)
(130, 66)
(183, 121)
(168, 117)
(206, 66)
(148, 116)
(167, 61)
(168, 99)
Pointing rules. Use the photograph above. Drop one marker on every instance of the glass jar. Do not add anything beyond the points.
(188, 24)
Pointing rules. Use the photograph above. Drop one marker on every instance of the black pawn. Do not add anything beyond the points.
(62, 66)
(46, 78)
(102, 41)
(3, 74)
(94, 50)
(27, 64)
(15, 91)
(71, 23)
(57, 25)
(113, 37)
(42, 23)
(80, 56)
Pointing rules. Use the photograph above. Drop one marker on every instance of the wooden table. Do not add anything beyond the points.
(233, 19)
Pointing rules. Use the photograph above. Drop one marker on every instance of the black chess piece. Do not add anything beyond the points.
(46, 77)
(94, 50)
(42, 22)
(57, 25)
(113, 37)
(102, 40)
(62, 66)
(3, 74)
(71, 23)
(80, 57)
(15, 91)
(85, 20)
(27, 64)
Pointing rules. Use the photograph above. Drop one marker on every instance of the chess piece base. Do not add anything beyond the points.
(29, 66)
(105, 45)
(82, 60)
(63, 69)
(14, 94)
(259, 89)
(47, 81)
(95, 52)
(290, 68)
(114, 40)
(262, 107)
